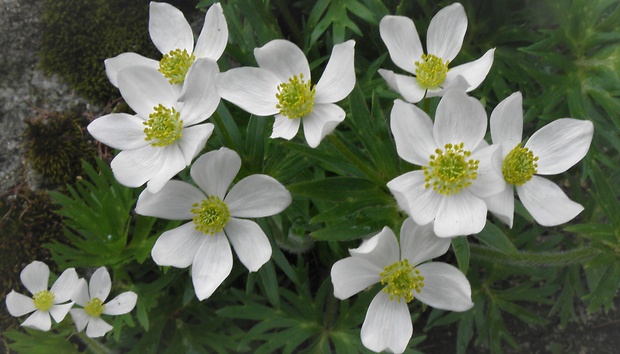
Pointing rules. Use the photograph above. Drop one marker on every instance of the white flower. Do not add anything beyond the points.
(551, 150)
(387, 325)
(432, 77)
(91, 297)
(282, 86)
(204, 243)
(173, 37)
(163, 137)
(457, 167)
(44, 302)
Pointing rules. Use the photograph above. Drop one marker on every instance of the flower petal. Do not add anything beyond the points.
(199, 96)
(257, 196)
(502, 205)
(40, 320)
(419, 243)
(193, 140)
(80, 318)
(65, 286)
(445, 287)
(285, 128)
(19, 304)
(402, 41)
(561, 144)
(381, 250)
(460, 214)
(387, 326)
(144, 88)
(212, 264)
(284, 59)
(97, 327)
(413, 133)
(252, 89)
(35, 276)
(119, 130)
(169, 29)
(459, 119)
(59, 312)
(446, 32)
(421, 203)
(121, 304)
(406, 86)
(214, 171)
(321, 121)
(121, 61)
(338, 79)
(489, 179)
(132, 168)
(250, 243)
(547, 202)
(352, 275)
(473, 72)
(81, 296)
(173, 202)
(100, 284)
(214, 34)
(178, 247)
(507, 123)
(172, 162)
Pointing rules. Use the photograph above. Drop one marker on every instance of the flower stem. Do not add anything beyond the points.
(534, 259)
(94, 345)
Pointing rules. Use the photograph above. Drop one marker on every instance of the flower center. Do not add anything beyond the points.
(450, 170)
(519, 165)
(431, 71)
(295, 97)
(163, 127)
(402, 279)
(95, 307)
(43, 300)
(175, 65)
(211, 215)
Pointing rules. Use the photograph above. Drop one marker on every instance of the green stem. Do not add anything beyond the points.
(359, 163)
(93, 345)
(534, 259)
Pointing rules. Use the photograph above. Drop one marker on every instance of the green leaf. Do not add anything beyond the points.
(492, 236)
(335, 188)
(603, 294)
(460, 245)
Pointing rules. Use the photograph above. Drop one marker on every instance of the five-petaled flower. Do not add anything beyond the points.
(404, 276)
(444, 41)
(282, 86)
(204, 243)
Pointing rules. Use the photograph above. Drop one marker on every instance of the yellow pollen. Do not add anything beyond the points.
(43, 300)
(519, 165)
(175, 65)
(211, 215)
(295, 97)
(450, 170)
(94, 307)
(431, 71)
(402, 280)
(163, 127)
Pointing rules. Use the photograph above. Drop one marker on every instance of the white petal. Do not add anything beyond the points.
(489, 180)
(250, 243)
(380, 250)
(561, 144)
(121, 61)
(406, 86)
(35, 276)
(459, 119)
(65, 286)
(446, 32)
(132, 168)
(59, 312)
(19, 304)
(252, 89)
(547, 202)
(121, 304)
(144, 88)
(460, 214)
(284, 59)
(445, 287)
(119, 130)
(402, 41)
(169, 29)
(387, 326)
(352, 275)
(199, 96)
(214, 171)
(81, 296)
(473, 72)
(502, 205)
(421, 203)
(178, 247)
(80, 318)
(174, 201)
(212, 264)
(321, 121)
(419, 243)
(257, 196)
(172, 162)
(285, 128)
(507, 122)
(97, 327)
(100, 284)
(339, 76)
(39, 320)
(214, 34)
(193, 140)
(413, 133)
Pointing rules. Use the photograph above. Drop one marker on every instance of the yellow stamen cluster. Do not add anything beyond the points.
(450, 170)
(431, 71)
(94, 307)
(295, 97)
(402, 280)
(175, 65)
(211, 215)
(163, 127)
(519, 165)
(43, 300)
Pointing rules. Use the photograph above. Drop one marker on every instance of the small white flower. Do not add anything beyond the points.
(164, 135)
(432, 77)
(173, 37)
(387, 325)
(91, 297)
(282, 86)
(204, 243)
(44, 302)
(551, 150)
